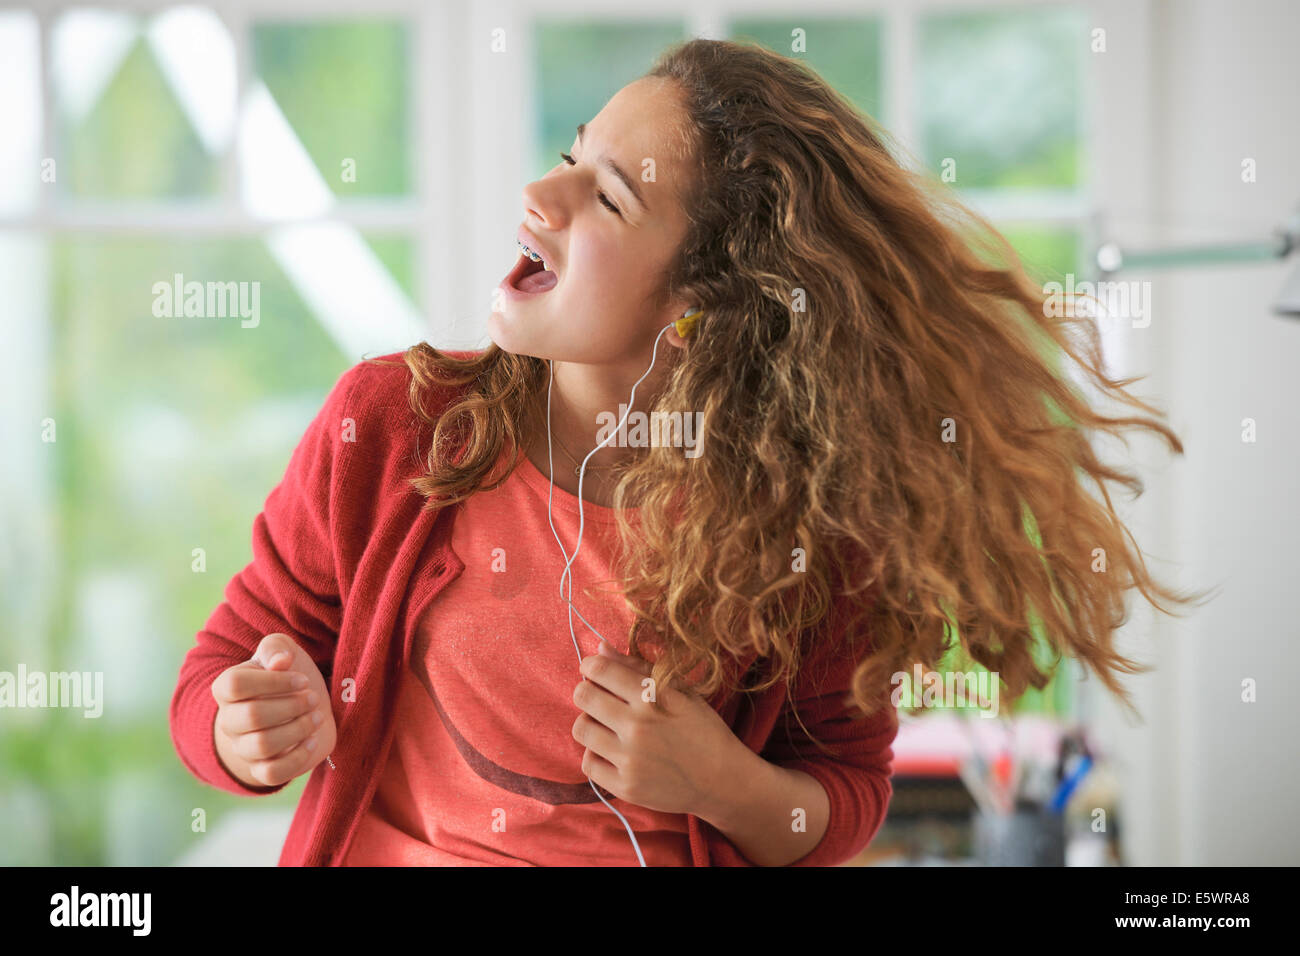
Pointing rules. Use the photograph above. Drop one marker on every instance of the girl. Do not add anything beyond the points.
(886, 454)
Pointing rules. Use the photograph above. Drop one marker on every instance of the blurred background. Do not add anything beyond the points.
(363, 162)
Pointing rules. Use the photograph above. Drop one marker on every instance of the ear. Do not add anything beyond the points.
(674, 337)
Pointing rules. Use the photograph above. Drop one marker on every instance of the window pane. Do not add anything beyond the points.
(343, 88)
(1048, 252)
(1001, 94)
(397, 254)
(175, 423)
(144, 106)
(171, 432)
(580, 66)
(846, 53)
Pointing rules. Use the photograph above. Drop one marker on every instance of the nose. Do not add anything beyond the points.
(544, 201)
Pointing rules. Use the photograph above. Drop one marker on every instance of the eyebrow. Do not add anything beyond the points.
(623, 177)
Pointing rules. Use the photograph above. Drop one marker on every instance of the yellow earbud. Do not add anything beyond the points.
(686, 324)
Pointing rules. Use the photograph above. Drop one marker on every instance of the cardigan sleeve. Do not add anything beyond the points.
(856, 774)
(290, 587)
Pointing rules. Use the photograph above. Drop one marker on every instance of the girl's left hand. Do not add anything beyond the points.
(674, 762)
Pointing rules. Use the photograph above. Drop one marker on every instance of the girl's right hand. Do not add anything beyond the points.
(273, 718)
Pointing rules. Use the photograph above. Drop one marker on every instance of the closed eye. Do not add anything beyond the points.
(608, 205)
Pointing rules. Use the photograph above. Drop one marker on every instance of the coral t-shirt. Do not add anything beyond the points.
(484, 769)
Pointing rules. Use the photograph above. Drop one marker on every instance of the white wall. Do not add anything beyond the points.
(1186, 91)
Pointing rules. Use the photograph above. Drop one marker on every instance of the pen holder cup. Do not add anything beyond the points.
(1024, 838)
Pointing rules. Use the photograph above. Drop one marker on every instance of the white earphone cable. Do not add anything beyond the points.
(568, 599)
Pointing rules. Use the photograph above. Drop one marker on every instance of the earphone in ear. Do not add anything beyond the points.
(686, 324)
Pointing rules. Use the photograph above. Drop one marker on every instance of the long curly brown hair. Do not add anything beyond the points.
(886, 427)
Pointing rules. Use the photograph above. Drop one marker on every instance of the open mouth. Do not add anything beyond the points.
(530, 277)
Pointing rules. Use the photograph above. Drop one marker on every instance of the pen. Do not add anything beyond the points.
(1070, 784)
(1002, 782)
(978, 791)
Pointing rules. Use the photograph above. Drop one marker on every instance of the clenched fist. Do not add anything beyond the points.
(273, 718)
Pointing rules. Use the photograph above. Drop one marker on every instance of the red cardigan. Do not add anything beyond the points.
(340, 547)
